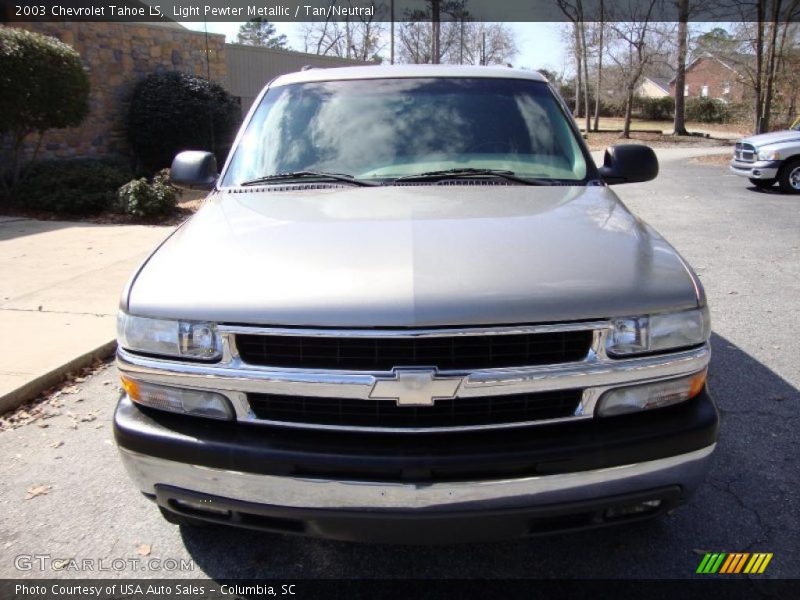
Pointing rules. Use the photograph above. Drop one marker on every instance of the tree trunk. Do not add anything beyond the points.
(391, 32)
(585, 76)
(679, 123)
(759, 98)
(578, 71)
(599, 84)
(773, 46)
(626, 129)
(435, 27)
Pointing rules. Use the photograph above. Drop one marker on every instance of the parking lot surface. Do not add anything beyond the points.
(745, 245)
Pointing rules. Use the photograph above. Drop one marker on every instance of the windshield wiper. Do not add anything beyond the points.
(469, 172)
(343, 177)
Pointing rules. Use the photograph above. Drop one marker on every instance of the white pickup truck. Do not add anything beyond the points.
(769, 158)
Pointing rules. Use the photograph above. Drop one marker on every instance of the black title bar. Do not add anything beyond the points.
(393, 10)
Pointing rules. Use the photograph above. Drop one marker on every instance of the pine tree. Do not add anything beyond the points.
(258, 32)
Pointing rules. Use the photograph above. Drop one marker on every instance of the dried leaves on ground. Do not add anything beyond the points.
(38, 490)
(713, 159)
(603, 139)
(54, 402)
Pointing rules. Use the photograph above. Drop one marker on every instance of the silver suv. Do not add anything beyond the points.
(412, 309)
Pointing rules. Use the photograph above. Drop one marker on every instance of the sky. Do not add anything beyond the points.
(540, 45)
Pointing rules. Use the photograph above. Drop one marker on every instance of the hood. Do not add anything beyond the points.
(412, 256)
(776, 137)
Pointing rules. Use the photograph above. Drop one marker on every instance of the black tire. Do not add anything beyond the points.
(763, 184)
(789, 177)
(177, 519)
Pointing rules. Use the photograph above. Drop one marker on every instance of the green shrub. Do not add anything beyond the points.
(73, 186)
(656, 109)
(142, 198)
(171, 112)
(612, 108)
(707, 110)
(43, 87)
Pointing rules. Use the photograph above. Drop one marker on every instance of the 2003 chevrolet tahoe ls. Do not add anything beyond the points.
(412, 309)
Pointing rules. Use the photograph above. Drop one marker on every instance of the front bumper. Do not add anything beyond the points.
(764, 169)
(453, 487)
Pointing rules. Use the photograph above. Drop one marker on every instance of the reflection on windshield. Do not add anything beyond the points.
(389, 128)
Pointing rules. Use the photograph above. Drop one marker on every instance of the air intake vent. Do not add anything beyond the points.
(460, 412)
(384, 353)
(294, 187)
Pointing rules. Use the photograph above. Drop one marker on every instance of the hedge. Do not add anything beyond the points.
(171, 112)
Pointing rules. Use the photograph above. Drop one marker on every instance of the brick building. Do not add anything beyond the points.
(710, 77)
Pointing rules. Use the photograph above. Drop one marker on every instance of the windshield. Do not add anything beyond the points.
(382, 129)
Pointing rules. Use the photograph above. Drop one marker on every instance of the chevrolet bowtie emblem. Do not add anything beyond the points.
(415, 387)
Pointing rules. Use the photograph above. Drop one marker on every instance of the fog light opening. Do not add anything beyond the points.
(624, 511)
(199, 507)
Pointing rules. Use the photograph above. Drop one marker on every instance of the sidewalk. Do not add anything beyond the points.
(59, 292)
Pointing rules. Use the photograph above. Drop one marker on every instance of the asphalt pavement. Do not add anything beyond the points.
(745, 245)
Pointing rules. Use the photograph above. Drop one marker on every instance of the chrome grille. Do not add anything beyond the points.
(458, 412)
(744, 152)
(454, 352)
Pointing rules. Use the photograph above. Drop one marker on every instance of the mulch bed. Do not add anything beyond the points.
(713, 159)
(601, 140)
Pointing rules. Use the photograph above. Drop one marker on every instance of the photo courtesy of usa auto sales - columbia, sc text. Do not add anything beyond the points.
(98, 591)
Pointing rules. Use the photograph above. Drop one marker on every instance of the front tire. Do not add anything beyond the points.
(763, 184)
(789, 177)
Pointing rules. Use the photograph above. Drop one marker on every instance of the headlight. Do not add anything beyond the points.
(769, 155)
(656, 333)
(199, 403)
(636, 398)
(180, 339)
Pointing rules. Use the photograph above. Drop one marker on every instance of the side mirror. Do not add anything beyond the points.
(629, 163)
(194, 169)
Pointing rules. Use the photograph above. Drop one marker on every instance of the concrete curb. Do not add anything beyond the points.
(36, 386)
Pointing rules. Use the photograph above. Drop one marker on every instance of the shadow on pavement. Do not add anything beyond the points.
(749, 502)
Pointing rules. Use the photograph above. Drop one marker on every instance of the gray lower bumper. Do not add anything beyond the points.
(686, 471)
(756, 170)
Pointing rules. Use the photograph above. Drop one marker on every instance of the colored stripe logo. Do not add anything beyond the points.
(734, 563)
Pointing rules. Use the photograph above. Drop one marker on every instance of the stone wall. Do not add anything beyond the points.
(116, 56)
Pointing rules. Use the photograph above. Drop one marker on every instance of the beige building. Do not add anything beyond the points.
(652, 87)
(250, 68)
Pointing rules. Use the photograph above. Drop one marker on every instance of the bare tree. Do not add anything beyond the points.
(573, 10)
(598, 39)
(763, 50)
(461, 39)
(359, 37)
(483, 44)
(635, 45)
(415, 41)
(679, 123)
